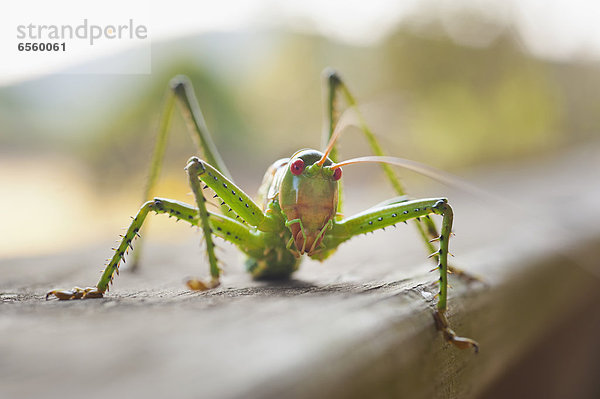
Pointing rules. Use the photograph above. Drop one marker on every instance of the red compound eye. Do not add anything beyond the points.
(337, 174)
(297, 167)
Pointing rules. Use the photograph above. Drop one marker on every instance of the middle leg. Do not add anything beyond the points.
(380, 217)
(177, 209)
(221, 226)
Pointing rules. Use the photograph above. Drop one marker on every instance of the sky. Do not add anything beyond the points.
(551, 29)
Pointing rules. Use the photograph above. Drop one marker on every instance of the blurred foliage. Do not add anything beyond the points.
(126, 142)
(82, 143)
(427, 97)
(473, 105)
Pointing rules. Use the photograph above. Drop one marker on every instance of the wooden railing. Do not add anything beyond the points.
(359, 325)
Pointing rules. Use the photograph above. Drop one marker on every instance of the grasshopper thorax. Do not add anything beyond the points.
(308, 196)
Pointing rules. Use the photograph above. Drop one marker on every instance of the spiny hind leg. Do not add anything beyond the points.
(425, 226)
(331, 115)
(335, 86)
(181, 91)
(176, 209)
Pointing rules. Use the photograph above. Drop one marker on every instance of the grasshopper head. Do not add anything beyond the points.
(308, 195)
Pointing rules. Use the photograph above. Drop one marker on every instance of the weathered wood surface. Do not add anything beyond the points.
(360, 324)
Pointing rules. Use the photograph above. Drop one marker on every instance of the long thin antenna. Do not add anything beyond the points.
(425, 170)
(348, 118)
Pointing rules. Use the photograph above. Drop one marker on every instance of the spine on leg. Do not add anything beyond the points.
(132, 232)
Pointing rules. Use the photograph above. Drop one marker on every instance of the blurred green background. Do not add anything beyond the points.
(75, 149)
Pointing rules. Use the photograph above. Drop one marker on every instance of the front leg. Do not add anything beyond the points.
(232, 197)
(382, 216)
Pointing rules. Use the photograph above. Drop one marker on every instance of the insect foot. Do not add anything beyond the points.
(76, 293)
(199, 285)
(460, 342)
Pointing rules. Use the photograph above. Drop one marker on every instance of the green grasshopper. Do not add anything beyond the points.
(300, 198)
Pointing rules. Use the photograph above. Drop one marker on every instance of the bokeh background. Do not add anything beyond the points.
(468, 86)
(457, 85)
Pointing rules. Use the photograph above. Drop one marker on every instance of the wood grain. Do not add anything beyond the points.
(358, 325)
